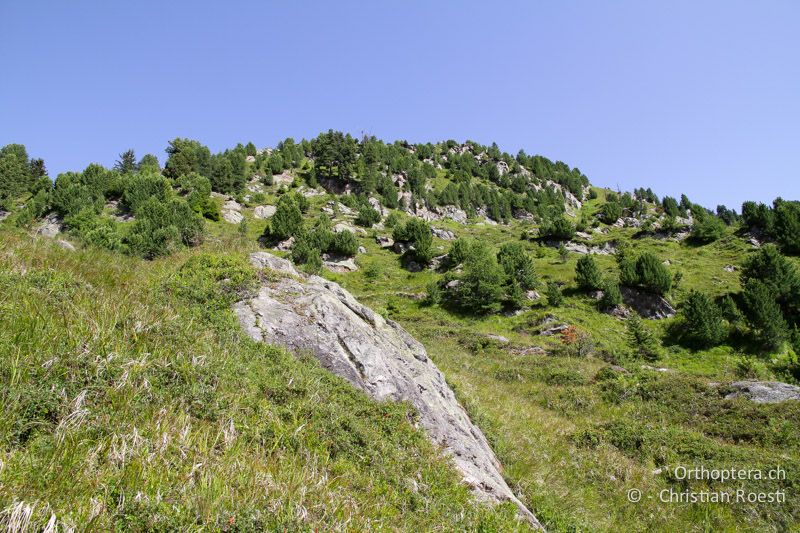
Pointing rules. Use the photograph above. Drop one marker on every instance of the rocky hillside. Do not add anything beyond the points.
(560, 343)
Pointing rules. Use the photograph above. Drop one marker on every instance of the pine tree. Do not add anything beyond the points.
(126, 164)
(587, 275)
(642, 342)
(702, 320)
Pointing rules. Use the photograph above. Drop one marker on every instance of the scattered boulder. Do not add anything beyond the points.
(453, 284)
(532, 295)
(284, 178)
(384, 242)
(437, 262)
(255, 185)
(498, 338)
(401, 247)
(362, 250)
(308, 192)
(342, 226)
(50, 227)
(619, 311)
(233, 217)
(647, 304)
(250, 159)
(231, 212)
(502, 168)
(339, 264)
(66, 245)
(553, 330)
(453, 213)
(285, 246)
(530, 350)
(3, 214)
(764, 391)
(264, 211)
(444, 234)
(729, 268)
(378, 357)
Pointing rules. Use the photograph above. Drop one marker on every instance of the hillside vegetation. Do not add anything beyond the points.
(125, 370)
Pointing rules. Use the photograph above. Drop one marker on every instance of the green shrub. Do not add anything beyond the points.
(642, 342)
(707, 228)
(287, 219)
(611, 295)
(587, 274)
(141, 187)
(344, 243)
(702, 320)
(517, 265)
(367, 216)
(418, 234)
(553, 293)
(160, 228)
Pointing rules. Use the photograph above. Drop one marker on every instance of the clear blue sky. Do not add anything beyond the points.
(692, 97)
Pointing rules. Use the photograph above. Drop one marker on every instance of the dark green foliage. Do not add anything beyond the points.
(480, 290)
(141, 187)
(287, 219)
(517, 265)
(558, 228)
(303, 250)
(367, 216)
(646, 272)
(126, 164)
(418, 234)
(771, 295)
(96, 230)
(707, 228)
(670, 206)
(611, 295)
(71, 195)
(161, 227)
(758, 216)
(34, 208)
(187, 156)
(197, 189)
(702, 321)
(459, 251)
(611, 212)
(787, 226)
(764, 314)
(554, 296)
(15, 174)
(642, 342)
(587, 274)
(228, 171)
(149, 163)
(344, 243)
(334, 154)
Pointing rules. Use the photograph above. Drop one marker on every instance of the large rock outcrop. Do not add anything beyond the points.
(764, 391)
(309, 313)
(647, 304)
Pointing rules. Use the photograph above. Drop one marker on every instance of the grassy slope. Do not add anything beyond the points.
(132, 401)
(574, 443)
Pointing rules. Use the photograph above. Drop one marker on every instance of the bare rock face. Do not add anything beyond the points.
(264, 211)
(375, 355)
(50, 227)
(764, 391)
(444, 234)
(647, 304)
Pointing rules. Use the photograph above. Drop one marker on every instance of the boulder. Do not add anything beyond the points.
(342, 226)
(233, 217)
(384, 242)
(264, 211)
(444, 234)
(453, 213)
(283, 178)
(401, 247)
(729, 268)
(50, 227)
(340, 264)
(285, 246)
(362, 250)
(250, 159)
(647, 304)
(3, 214)
(66, 245)
(377, 356)
(498, 338)
(232, 205)
(764, 391)
(532, 295)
